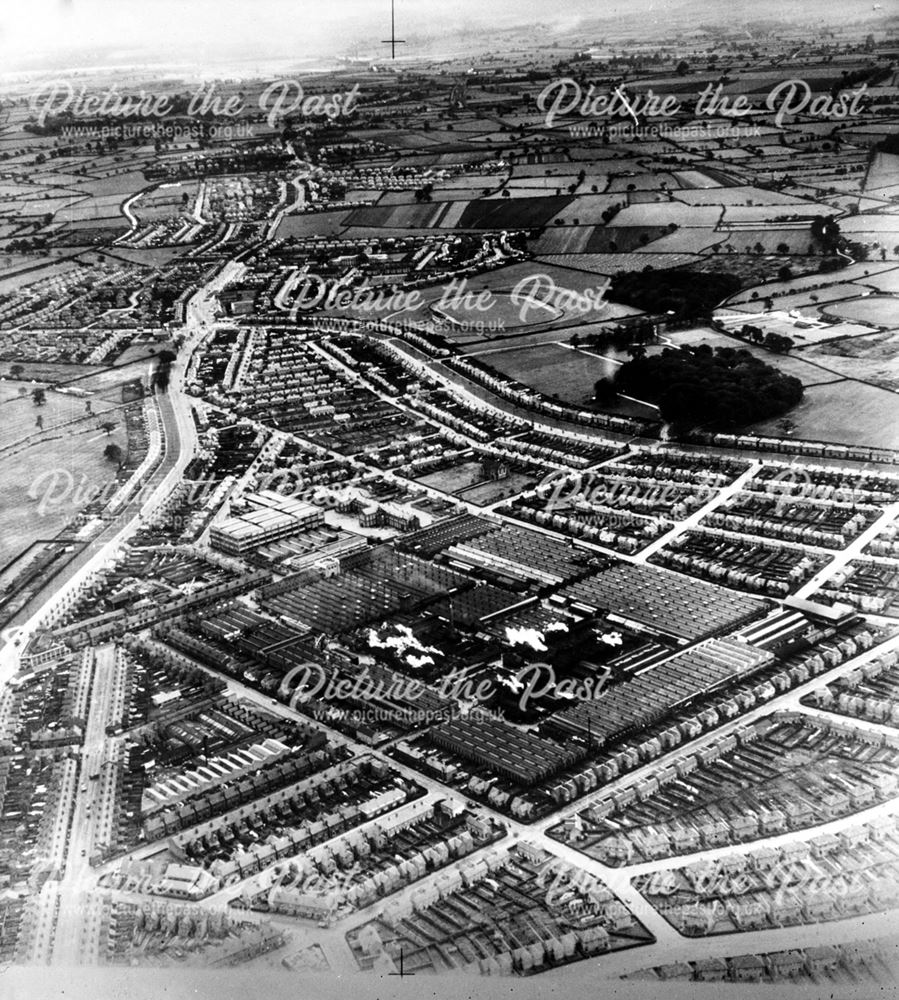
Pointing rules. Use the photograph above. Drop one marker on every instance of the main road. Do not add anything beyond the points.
(77, 940)
(179, 443)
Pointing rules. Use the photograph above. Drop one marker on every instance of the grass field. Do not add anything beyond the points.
(564, 240)
(459, 477)
(48, 371)
(467, 480)
(845, 412)
(64, 469)
(498, 489)
(558, 370)
(18, 414)
(879, 310)
(874, 358)
(886, 282)
(554, 370)
(869, 225)
(312, 224)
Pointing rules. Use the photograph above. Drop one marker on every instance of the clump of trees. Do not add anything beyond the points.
(698, 386)
(773, 341)
(688, 295)
(619, 337)
(163, 371)
(827, 232)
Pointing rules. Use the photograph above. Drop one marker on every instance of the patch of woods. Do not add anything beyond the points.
(685, 294)
(718, 388)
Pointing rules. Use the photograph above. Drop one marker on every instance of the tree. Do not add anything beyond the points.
(39, 396)
(113, 453)
(16, 370)
(108, 426)
(729, 387)
(786, 426)
(683, 68)
(826, 231)
(604, 392)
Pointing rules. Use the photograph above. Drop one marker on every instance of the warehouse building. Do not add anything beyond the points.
(272, 517)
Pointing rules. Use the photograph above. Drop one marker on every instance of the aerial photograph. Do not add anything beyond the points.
(449, 499)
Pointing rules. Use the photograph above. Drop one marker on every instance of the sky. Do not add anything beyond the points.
(309, 28)
(56, 33)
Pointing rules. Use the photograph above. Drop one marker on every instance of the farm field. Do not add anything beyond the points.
(735, 215)
(878, 310)
(888, 281)
(311, 224)
(746, 195)
(855, 277)
(874, 358)
(846, 412)
(18, 413)
(564, 240)
(871, 224)
(50, 372)
(882, 172)
(609, 263)
(558, 370)
(555, 370)
(64, 470)
(821, 335)
(687, 241)
(692, 217)
(786, 299)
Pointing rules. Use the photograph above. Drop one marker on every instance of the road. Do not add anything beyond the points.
(179, 436)
(852, 551)
(76, 936)
(669, 941)
(75, 943)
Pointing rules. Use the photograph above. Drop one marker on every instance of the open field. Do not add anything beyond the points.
(18, 413)
(843, 412)
(468, 482)
(43, 486)
(878, 310)
(874, 358)
(554, 370)
(311, 224)
(559, 370)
